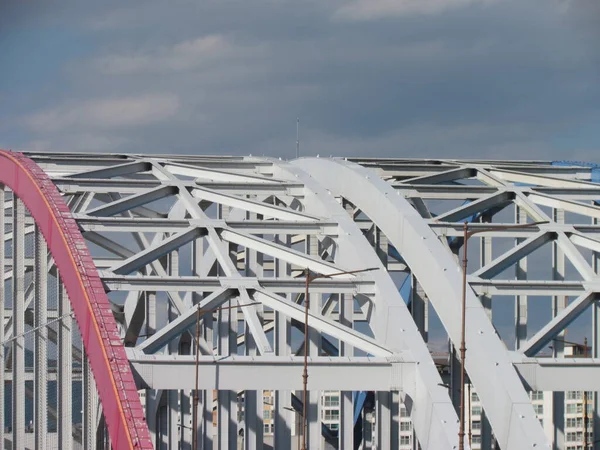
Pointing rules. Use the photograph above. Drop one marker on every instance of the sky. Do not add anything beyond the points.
(391, 78)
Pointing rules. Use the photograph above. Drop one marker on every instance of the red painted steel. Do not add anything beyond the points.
(116, 388)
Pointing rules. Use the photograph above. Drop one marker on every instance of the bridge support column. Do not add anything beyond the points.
(65, 367)
(18, 306)
(41, 342)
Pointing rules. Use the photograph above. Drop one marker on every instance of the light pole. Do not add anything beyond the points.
(466, 235)
(199, 313)
(310, 277)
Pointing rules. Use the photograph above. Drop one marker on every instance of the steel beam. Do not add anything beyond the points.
(18, 307)
(271, 372)
(41, 341)
(507, 403)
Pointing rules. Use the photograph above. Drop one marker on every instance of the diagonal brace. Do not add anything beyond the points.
(559, 323)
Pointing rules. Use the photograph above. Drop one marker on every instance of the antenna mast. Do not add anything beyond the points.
(297, 137)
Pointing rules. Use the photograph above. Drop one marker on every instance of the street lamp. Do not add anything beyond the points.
(310, 277)
(466, 235)
(199, 313)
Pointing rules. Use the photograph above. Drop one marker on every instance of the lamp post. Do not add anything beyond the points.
(199, 313)
(310, 277)
(466, 235)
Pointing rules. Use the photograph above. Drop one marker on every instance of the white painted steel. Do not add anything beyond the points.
(174, 233)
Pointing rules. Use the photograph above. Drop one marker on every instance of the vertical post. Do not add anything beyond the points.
(346, 437)
(90, 405)
(305, 366)
(149, 407)
(595, 345)
(18, 347)
(521, 301)
(204, 428)
(254, 405)
(461, 430)
(469, 407)
(313, 435)
(65, 367)
(195, 409)
(585, 414)
(383, 419)
(41, 335)
(558, 304)
(174, 413)
(486, 254)
(282, 347)
(2, 311)
(227, 399)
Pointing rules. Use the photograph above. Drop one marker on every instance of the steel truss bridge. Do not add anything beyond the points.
(108, 257)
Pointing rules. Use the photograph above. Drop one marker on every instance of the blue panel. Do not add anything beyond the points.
(594, 173)
(359, 403)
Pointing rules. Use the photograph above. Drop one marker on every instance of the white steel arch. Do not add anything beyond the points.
(488, 362)
(433, 415)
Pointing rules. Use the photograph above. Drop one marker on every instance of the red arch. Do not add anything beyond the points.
(117, 391)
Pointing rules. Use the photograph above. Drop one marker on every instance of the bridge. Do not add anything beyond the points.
(172, 291)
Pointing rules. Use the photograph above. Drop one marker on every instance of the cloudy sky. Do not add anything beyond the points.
(435, 78)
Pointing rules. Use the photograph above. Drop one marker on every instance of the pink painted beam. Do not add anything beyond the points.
(116, 388)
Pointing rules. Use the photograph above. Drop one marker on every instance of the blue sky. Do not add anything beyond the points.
(435, 78)
(392, 78)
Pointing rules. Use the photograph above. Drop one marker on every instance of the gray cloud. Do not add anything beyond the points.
(382, 78)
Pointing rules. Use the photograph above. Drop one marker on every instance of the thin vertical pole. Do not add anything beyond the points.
(41, 341)
(305, 373)
(297, 137)
(461, 431)
(18, 347)
(195, 411)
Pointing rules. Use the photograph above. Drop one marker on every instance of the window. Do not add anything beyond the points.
(267, 414)
(404, 440)
(405, 426)
(474, 397)
(476, 425)
(476, 439)
(537, 395)
(574, 395)
(574, 408)
(332, 414)
(574, 422)
(403, 411)
(332, 401)
(268, 428)
(476, 410)
(575, 436)
(539, 409)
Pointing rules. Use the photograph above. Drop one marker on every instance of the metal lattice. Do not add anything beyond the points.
(171, 234)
